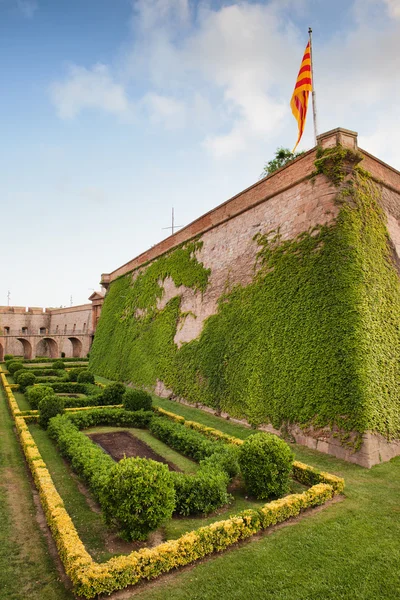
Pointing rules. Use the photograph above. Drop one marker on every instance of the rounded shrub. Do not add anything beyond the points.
(266, 462)
(50, 406)
(8, 357)
(112, 394)
(18, 373)
(37, 393)
(137, 400)
(25, 378)
(58, 364)
(137, 497)
(85, 376)
(73, 374)
(14, 366)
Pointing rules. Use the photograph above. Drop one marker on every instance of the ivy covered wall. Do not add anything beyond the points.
(314, 339)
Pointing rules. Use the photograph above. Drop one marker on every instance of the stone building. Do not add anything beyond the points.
(33, 332)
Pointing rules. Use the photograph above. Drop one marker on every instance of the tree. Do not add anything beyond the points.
(282, 157)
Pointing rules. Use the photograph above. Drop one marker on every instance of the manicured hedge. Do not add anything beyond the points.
(68, 387)
(138, 497)
(25, 379)
(91, 579)
(87, 458)
(46, 359)
(34, 394)
(85, 376)
(183, 440)
(137, 400)
(116, 417)
(266, 464)
(49, 406)
(46, 372)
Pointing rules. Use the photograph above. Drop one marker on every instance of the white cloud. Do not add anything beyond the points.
(164, 110)
(27, 8)
(228, 73)
(88, 88)
(393, 8)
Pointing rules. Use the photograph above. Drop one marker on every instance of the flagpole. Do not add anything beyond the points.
(314, 103)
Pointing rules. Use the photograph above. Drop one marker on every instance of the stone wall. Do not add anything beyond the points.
(292, 202)
(32, 332)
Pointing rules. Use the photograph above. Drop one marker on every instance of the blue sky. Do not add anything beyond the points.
(114, 111)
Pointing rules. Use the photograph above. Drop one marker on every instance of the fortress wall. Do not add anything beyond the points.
(292, 201)
(79, 317)
(230, 250)
(17, 317)
(389, 181)
(259, 193)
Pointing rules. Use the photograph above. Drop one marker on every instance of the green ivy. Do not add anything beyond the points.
(314, 339)
(131, 326)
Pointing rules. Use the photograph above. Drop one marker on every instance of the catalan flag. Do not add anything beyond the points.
(303, 87)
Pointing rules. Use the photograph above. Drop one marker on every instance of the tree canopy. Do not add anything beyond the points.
(282, 157)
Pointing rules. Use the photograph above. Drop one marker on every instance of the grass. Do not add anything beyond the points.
(349, 550)
(88, 523)
(26, 569)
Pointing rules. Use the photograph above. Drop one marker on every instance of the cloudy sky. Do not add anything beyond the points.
(113, 111)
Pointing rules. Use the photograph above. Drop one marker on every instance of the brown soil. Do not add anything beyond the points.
(122, 444)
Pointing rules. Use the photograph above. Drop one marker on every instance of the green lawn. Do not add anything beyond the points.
(26, 569)
(348, 550)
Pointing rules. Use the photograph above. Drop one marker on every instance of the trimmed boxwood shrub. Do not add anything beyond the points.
(184, 440)
(138, 497)
(85, 376)
(46, 372)
(137, 400)
(14, 366)
(50, 406)
(25, 379)
(117, 417)
(73, 373)
(36, 393)
(87, 458)
(8, 357)
(266, 462)
(58, 364)
(18, 373)
(68, 387)
(112, 394)
(225, 459)
(201, 493)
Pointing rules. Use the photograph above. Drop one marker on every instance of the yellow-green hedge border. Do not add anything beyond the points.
(90, 578)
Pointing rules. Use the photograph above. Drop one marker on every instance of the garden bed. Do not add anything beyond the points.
(122, 444)
(91, 578)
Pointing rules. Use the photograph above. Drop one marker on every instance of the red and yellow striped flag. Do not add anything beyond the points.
(303, 87)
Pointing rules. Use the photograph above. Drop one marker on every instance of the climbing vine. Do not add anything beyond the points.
(134, 339)
(314, 339)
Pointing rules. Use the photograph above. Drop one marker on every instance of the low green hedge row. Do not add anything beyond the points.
(46, 359)
(69, 387)
(183, 440)
(48, 372)
(207, 490)
(115, 417)
(87, 458)
(53, 379)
